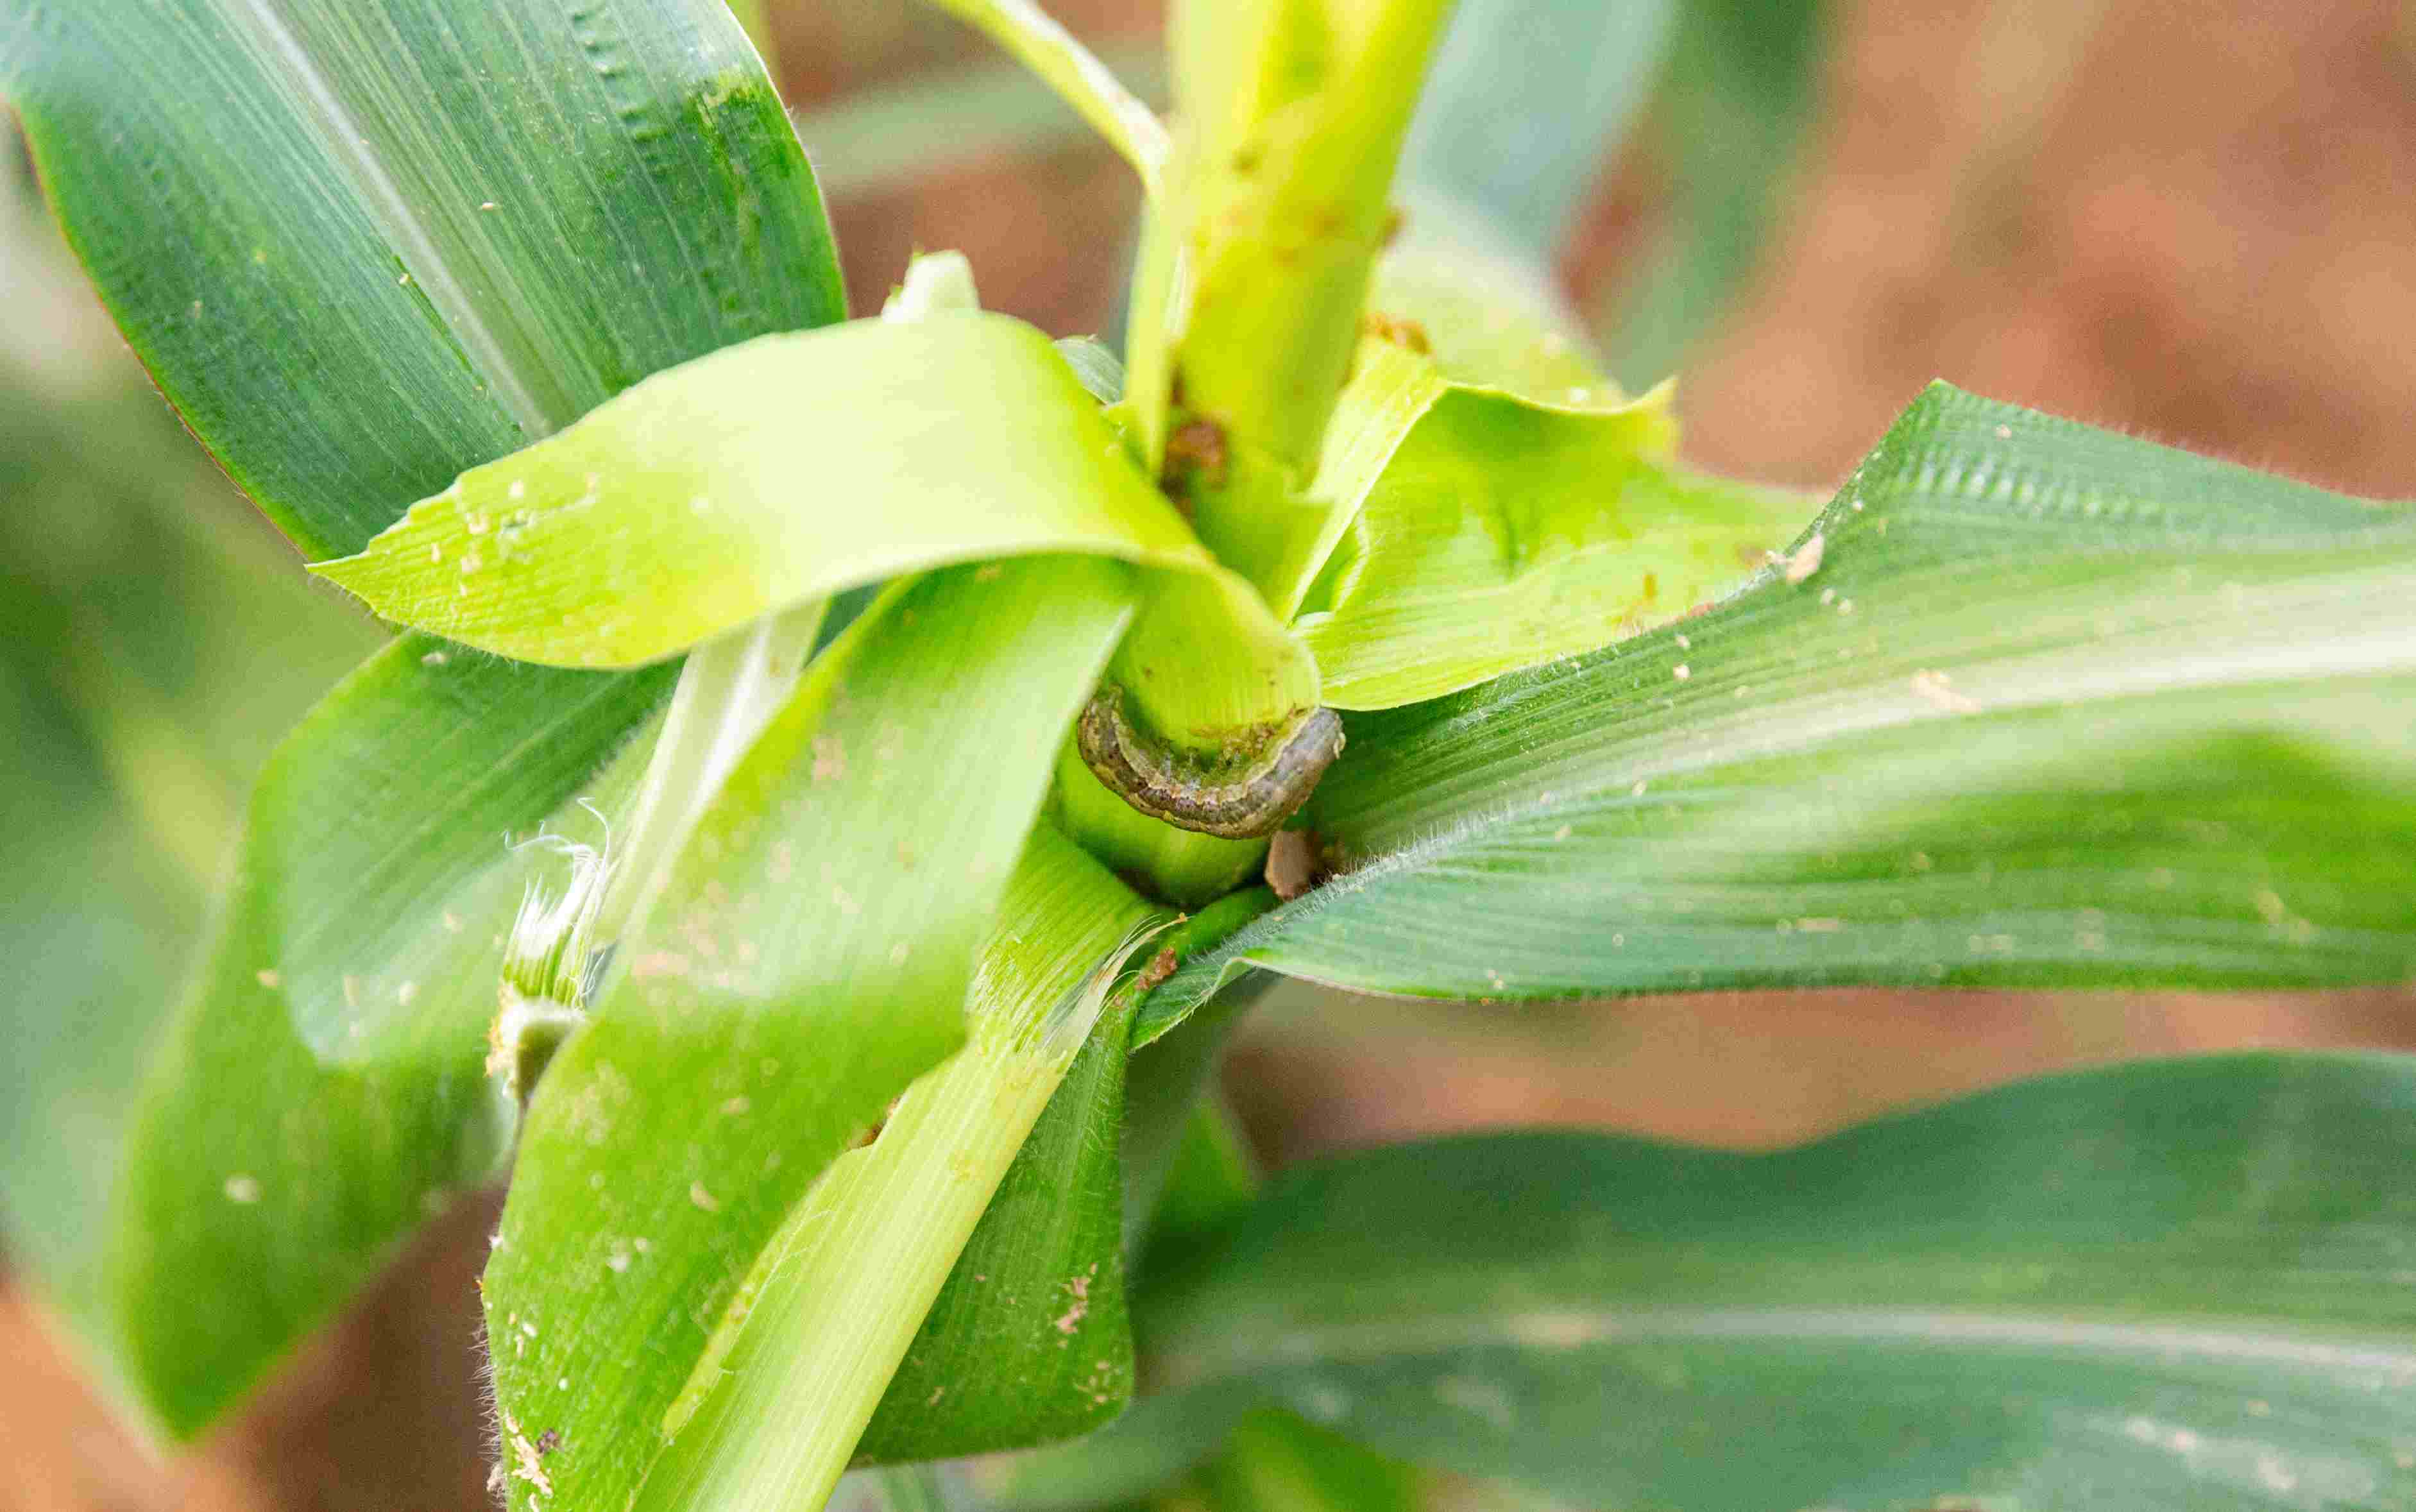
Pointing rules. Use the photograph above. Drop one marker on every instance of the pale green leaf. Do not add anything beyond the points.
(1733, 103)
(1488, 531)
(1526, 101)
(339, 250)
(810, 957)
(337, 233)
(772, 473)
(791, 467)
(319, 1091)
(1489, 315)
(2171, 1285)
(2031, 703)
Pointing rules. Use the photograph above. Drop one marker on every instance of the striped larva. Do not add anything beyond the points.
(1251, 802)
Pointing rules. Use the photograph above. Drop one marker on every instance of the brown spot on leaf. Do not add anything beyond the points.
(1196, 448)
(1402, 333)
(1161, 967)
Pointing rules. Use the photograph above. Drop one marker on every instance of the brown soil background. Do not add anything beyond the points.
(2189, 218)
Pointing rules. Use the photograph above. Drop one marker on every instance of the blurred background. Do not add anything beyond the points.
(2187, 218)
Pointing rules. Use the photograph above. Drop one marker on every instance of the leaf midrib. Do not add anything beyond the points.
(2216, 1339)
(406, 233)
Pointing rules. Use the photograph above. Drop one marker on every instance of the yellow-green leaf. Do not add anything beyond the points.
(797, 465)
(1494, 529)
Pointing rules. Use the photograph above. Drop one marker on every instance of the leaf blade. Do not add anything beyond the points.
(873, 1245)
(2002, 618)
(276, 153)
(544, 556)
(1029, 1339)
(1500, 531)
(1524, 102)
(958, 437)
(343, 1143)
(2149, 1284)
(810, 958)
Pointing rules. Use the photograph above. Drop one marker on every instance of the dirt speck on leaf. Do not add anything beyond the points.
(526, 1462)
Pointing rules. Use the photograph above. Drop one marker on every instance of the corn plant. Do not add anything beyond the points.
(836, 781)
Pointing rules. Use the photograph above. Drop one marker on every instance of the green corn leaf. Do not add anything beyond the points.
(776, 472)
(2031, 703)
(1525, 103)
(1275, 1462)
(339, 252)
(152, 658)
(1490, 316)
(2175, 1284)
(1030, 1341)
(1157, 1441)
(809, 958)
(341, 248)
(794, 467)
(1732, 104)
(320, 1092)
(1488, 531)
(834, 1303)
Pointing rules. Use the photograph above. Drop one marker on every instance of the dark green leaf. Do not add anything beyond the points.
(338, 233)
(2041, 704)
(321, 1091)
(810, 957)
(2170, 1285)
